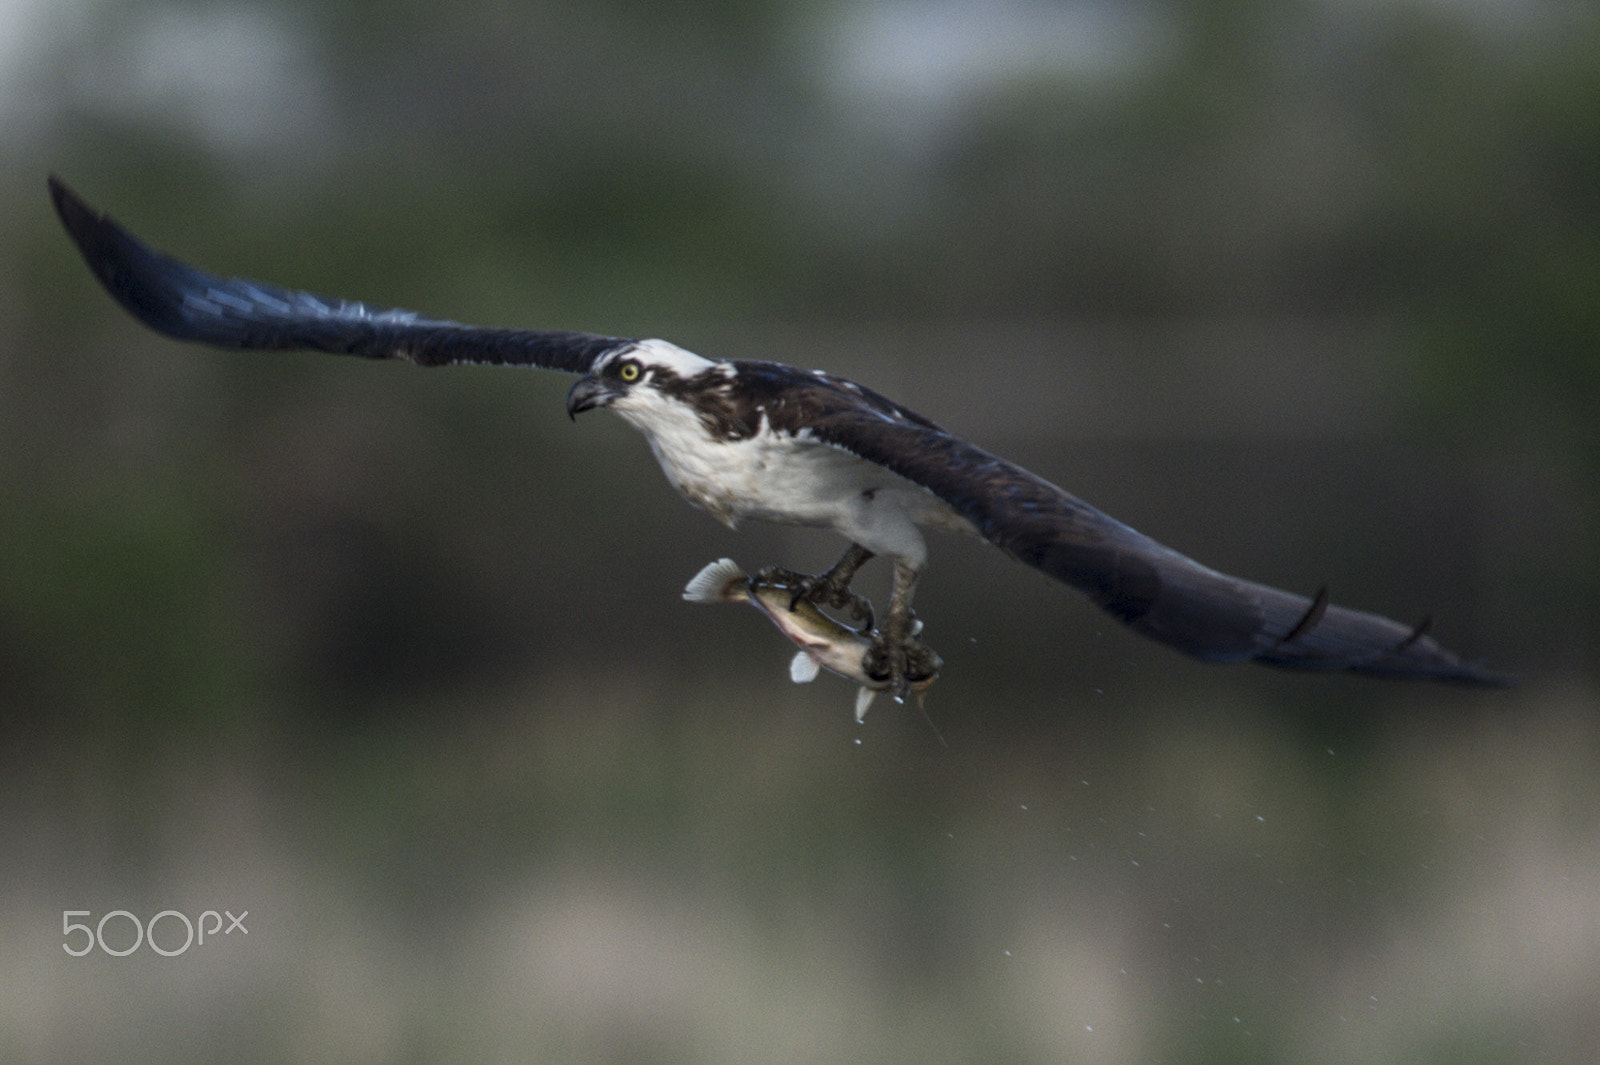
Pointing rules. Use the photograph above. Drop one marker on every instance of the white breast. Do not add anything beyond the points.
(786, 479)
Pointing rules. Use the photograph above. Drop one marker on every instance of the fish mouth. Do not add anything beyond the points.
(587, 393)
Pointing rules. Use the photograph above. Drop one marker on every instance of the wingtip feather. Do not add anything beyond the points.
(78, 217)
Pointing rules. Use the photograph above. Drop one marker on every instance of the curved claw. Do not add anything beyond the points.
(829, 591)
(902, 664)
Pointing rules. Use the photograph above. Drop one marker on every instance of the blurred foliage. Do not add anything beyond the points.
(610, 166)
(617, 168)
(613, 167)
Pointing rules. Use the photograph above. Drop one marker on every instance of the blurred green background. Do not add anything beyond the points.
(394, 659)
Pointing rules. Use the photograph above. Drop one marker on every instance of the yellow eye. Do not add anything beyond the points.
(629, 371)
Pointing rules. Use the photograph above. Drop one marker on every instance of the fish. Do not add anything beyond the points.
(824, 643)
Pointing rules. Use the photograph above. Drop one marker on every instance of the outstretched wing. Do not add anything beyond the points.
(1142, 583)
(174, 298)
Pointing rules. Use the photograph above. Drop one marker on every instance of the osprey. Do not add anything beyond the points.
(761, 440)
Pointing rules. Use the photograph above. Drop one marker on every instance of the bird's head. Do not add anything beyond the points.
(639, 374)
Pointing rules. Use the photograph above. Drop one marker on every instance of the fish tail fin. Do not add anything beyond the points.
(864, 699)
(720, 582)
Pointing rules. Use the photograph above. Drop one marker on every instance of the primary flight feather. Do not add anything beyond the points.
(761, 440)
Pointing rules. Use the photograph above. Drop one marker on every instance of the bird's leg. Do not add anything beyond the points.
(896, 654)
(832, 589)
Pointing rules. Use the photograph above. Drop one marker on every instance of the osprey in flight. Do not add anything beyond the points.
(761, 440)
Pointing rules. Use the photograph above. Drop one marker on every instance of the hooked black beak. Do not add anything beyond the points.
(588, 393)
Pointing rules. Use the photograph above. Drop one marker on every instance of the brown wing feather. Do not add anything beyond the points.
(181, 301)
(1152, 588)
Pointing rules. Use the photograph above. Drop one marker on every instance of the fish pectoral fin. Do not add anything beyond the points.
(863, 700)
(803, 668)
